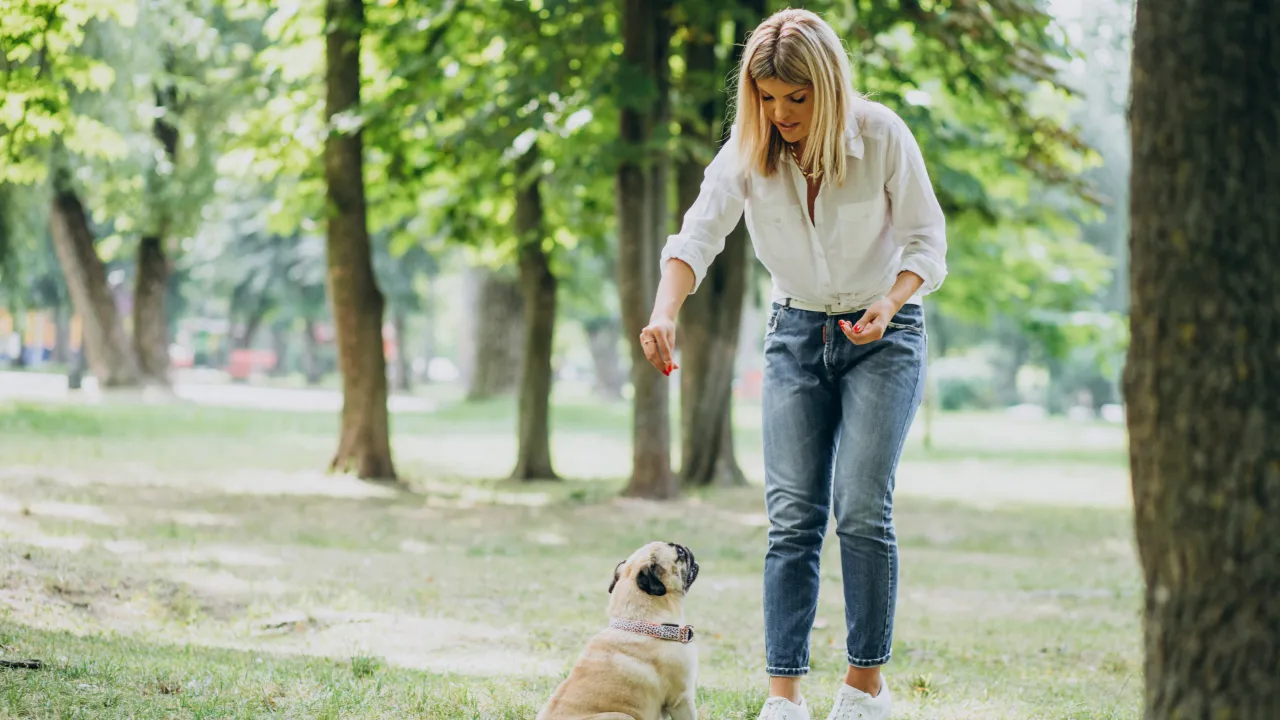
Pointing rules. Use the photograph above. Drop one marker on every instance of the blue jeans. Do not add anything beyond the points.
(836, 416)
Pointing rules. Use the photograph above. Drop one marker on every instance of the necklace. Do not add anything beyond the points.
(810, 176)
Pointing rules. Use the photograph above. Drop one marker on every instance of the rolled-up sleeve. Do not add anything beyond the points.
(918, 225)
(711, 217)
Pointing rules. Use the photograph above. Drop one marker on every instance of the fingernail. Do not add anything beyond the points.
(857, 328)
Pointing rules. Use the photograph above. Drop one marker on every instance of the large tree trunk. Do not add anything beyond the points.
(364, 444)
(107, 348)
(1202, 381)
(642, 221)
(538, 289)
(603, 334)
(499, 317)
(711, 318)
(150, 325)
(398, 321)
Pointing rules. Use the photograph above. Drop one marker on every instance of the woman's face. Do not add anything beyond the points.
(789, 107)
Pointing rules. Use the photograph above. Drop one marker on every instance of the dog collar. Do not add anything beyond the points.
(665, 631)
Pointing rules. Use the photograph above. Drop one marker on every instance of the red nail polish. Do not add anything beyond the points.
(857, 328)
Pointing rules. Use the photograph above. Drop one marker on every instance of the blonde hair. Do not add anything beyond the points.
(798, 48)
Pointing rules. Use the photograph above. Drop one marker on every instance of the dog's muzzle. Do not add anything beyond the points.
(690, 564)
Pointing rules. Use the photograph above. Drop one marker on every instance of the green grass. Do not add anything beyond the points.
(180, 561)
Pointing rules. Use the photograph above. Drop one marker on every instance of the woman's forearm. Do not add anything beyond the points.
(676, 284)
(904, 287)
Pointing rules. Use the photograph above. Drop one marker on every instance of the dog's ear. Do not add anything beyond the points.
(649, 581)
(616, 571)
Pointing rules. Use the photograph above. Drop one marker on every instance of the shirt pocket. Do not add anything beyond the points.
(768, 235)
(860, 223)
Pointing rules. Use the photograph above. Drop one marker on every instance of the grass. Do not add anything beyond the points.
(183, 561)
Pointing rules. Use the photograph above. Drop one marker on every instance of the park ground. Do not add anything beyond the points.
(187, 560)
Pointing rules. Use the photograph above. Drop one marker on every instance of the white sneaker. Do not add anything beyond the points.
(853, 704)
(780, 708)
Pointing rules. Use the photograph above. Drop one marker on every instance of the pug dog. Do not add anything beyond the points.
(643, 666)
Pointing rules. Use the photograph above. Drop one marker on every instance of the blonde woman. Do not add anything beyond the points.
(842, 214)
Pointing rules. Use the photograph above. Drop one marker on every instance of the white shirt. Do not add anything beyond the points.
(885, 219)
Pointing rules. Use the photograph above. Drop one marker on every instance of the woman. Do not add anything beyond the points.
(842, 214)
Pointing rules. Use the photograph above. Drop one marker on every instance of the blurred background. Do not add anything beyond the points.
(170, 388)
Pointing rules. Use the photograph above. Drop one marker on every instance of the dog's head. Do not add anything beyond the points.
(658, 568)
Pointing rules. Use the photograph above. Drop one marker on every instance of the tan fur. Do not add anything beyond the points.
(622, 675)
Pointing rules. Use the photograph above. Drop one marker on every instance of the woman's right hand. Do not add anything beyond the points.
(659, 342)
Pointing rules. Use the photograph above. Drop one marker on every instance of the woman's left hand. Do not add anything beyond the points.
(871, 326)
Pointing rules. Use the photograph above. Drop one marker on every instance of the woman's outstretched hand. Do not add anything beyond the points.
(871, 326)
(659, 342)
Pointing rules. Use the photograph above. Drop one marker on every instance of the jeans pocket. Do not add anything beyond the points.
(910, 318)
(773, 320)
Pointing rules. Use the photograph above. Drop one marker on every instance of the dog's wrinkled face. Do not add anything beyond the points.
(658, 568)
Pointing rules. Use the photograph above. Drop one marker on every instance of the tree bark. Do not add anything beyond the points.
(107, 348)
(150, 325)
(399, 322)
(642, 221)
(358, 304)
(538, 290)
(1201, 379)
(711, 318)
(603, 334)
(499, 317)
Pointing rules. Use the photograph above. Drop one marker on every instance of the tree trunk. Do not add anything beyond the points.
(358, 305)
(709, 328)
(603, 334)
(150, 325)
(398, 321)
(151, 282)
(711, 318)
(19, 359)
(499, 317)
(1201, 380)
(107, 348)
(429, 327)
(642, 221)
(538, 290)
(252, 322)
(1009, 367)
(311, 353)
(280, 346)
(61, 334)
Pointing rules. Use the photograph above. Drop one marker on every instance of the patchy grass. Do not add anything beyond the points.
(182, 561)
